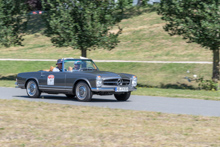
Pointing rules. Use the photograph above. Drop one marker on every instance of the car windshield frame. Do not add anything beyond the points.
(85, 65)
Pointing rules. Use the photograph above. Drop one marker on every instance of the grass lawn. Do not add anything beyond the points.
(7, 83)
(165, 75)
(24, 123)
(180, 93)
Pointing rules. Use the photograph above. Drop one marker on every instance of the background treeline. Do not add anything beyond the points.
(37, 4)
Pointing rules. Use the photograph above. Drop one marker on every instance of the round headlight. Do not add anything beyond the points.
(98, 81)
(134, 81)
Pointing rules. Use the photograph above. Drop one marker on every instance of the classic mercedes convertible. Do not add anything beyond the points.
(82, 83)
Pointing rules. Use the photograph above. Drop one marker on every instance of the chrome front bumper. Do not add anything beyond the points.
(110, 89)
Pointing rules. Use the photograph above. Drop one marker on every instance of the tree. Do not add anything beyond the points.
(12, 21)
(81, 24)
(197, 21)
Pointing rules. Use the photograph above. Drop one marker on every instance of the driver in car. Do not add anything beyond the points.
(77, 65)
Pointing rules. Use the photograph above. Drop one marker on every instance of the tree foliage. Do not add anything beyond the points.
(82, 24)
(12, 15)
(197, 21)
(34, 4)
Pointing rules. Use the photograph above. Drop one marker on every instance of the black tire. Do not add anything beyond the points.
(83, 92)
(70, 95)
(122, 97)
(32, 89)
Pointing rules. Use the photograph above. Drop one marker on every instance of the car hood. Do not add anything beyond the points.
(106, 74)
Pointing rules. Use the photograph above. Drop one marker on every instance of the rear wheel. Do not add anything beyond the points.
(122, 97)
(83, 92)
(32, 89)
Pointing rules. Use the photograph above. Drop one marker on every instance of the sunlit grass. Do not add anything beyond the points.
(180, 93)
(24, 123)
(7, 83)
(148, 74)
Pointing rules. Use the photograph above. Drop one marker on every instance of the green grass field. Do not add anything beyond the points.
(152, 75)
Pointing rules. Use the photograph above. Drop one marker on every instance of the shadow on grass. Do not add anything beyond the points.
(170, 86)
(9, 77)
(178, 86)
(138, 10)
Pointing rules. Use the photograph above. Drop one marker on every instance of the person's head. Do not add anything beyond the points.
(59, 63)
(77, 65)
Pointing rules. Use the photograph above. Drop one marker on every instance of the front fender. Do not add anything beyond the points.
(31, 78)
(78, 80)
(82, 79)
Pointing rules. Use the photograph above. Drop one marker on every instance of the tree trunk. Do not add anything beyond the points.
(83, 52)
(215, 72)
(139, 2)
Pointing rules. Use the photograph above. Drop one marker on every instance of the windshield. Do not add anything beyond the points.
(79, 65)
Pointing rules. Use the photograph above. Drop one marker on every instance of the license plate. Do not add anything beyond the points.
(121, 89)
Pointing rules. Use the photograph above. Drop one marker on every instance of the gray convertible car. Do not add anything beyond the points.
(81, 83)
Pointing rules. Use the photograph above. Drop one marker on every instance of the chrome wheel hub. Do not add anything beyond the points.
(31, 88)
(81, 92)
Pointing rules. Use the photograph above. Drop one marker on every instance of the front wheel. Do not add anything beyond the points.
(122, 97)
(32, 89)
(83, 92)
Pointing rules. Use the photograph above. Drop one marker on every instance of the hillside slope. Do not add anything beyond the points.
(143, 38)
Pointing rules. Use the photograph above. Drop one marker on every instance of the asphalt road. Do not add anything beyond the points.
(141, 103)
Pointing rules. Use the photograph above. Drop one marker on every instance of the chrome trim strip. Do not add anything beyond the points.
(52, 86)
(112, 78)
(69, 87)
(55, 89)
(103, 89)
(109, 78)
(58, 88)
(111, 89)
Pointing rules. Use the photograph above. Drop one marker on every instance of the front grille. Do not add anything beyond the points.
(116, 82)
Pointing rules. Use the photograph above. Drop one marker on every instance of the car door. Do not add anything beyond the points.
(71, 77)
(52, 81)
